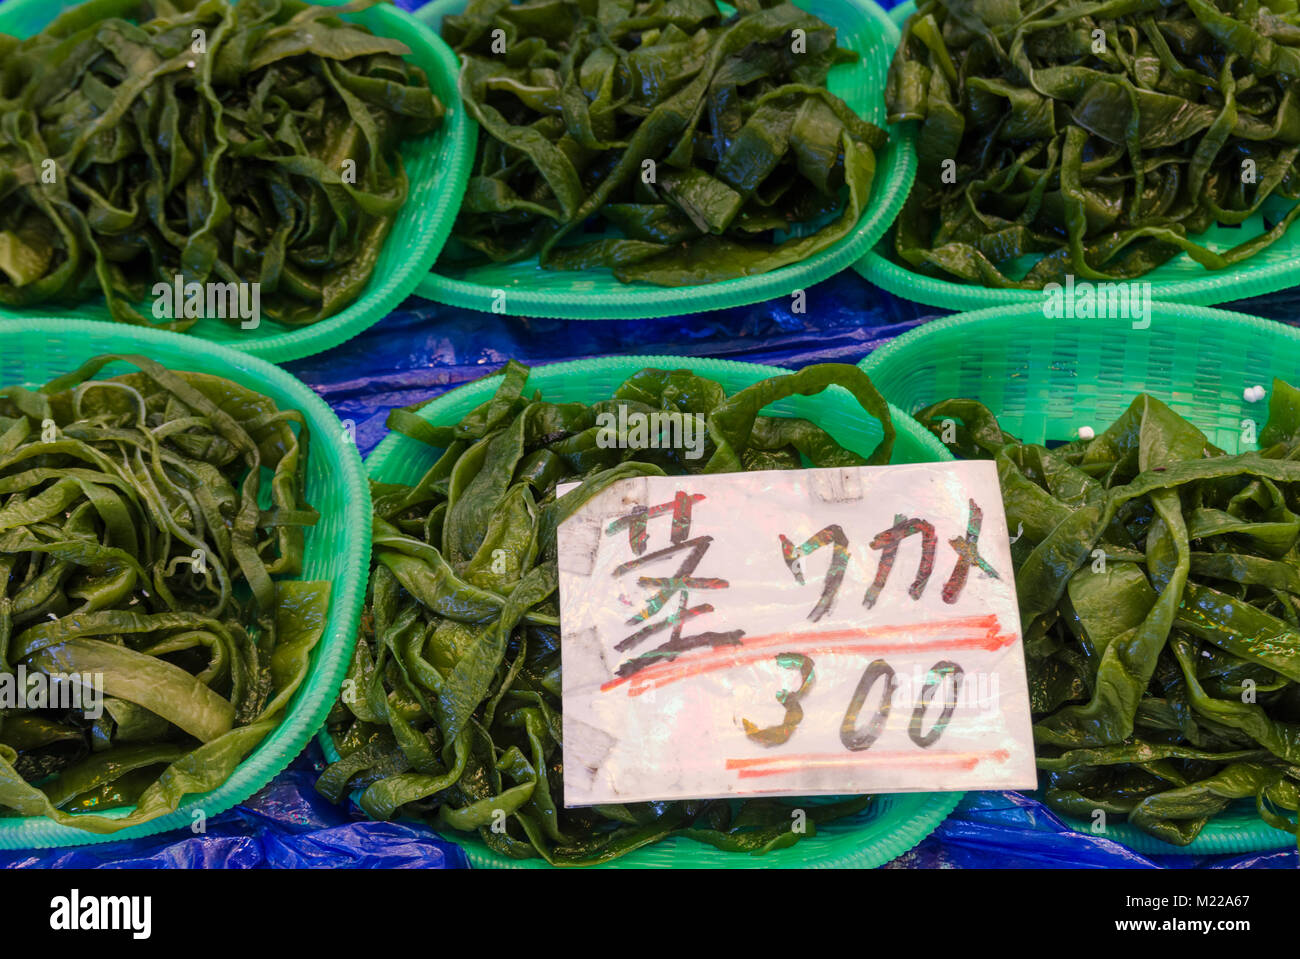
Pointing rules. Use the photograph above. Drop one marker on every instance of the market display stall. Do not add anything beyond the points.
(738, 225)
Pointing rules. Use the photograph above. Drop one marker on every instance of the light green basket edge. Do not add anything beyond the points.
(313, 700)
(1236, 283)
(896, 823)
(455, 143)
(1232, 832)
(1229, 836)
(921, 812)
(898, 159)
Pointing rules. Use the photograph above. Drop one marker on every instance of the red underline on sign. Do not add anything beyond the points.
(975, 632)
(781, 765)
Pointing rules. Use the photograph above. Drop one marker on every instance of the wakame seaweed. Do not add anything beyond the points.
(151, 525)
(1159, 588)
(659, 139)
(1101, 137)
(141, 140)
(452, 705)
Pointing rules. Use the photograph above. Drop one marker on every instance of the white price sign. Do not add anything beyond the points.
(821, 631)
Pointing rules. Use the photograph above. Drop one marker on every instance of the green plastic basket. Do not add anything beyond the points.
(1045, 379)
(1237, 829)
(890, 826)
(337, 549)
(1181, 280)
(437, 166)
(595, 294)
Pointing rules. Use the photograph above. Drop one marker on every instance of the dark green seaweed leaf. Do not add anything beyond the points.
(249, 143)
(695, 147)
(1099, 137)
(1159, 586)
(149, 527)
(455, 709)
